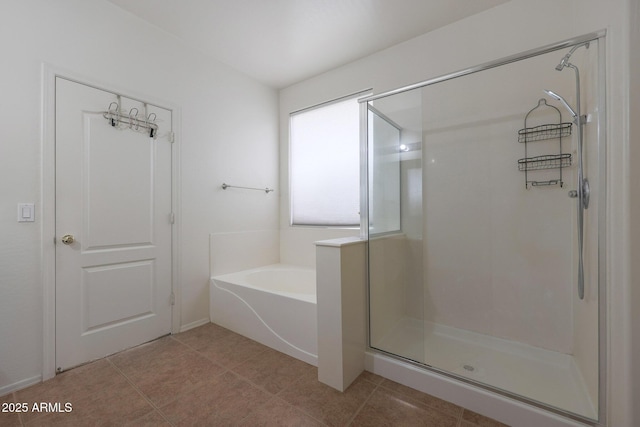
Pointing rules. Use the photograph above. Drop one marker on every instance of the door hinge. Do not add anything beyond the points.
(172, 137)
(172, 299)
(172, 218)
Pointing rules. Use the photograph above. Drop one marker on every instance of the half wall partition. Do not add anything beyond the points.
(473, 219)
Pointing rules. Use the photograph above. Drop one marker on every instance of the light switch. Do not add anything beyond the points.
(26, 212)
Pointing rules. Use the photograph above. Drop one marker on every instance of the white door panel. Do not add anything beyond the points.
(115, 217)
(113, 194)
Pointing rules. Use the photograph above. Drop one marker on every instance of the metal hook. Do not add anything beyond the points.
(134, 118)
(150, 122)
(113, 112)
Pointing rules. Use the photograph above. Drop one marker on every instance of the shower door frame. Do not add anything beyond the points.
(599, 36)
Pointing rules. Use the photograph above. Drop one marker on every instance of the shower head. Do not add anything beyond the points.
(565, 60)
(562, 100)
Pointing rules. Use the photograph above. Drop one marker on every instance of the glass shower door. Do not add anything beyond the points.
(473, 258)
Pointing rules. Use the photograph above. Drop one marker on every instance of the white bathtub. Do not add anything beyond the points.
(274, 305)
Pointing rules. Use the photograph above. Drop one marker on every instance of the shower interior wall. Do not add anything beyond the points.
(478, 277)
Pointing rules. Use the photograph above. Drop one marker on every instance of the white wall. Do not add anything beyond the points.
(242, 250)
(633, 157)
(229, 131)
(514, 27)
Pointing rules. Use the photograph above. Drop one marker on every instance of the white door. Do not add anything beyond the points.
(113, 195)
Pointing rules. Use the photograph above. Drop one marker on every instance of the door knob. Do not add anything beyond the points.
(68, 239)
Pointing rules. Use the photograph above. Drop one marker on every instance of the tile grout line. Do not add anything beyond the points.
(274, 395)
(213, 361)
(225, 371)
(14, 398)
(302, 410)
(144, 396)
(355, 414)
(133, 385)
(462, 418)
(196, 351)
(259, 387)
(253, 384)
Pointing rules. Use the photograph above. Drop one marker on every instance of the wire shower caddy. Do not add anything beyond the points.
(548, 161)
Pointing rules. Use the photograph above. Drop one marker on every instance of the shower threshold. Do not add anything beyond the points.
(546, 376)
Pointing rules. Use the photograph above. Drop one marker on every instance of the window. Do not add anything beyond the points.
(325, 164)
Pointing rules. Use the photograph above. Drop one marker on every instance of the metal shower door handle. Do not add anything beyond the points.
(586, 192)
(583, 203)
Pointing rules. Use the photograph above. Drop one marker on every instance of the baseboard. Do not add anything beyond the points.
(20, 385)
(195, 324)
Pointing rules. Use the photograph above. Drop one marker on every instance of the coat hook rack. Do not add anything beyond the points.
(120, 119)
(266, 190)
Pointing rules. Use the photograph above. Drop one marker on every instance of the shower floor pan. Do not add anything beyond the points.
(542, 375)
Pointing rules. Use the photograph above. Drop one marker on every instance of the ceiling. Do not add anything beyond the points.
(281, 42)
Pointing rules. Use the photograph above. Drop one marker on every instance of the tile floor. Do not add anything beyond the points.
(210, 376)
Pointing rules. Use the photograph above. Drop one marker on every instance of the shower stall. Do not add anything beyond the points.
(484, 212)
